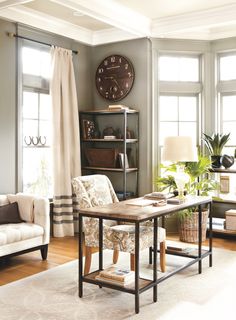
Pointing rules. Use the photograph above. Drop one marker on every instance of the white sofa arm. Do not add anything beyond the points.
(41, 216)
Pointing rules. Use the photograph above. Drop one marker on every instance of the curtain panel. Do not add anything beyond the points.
(66, 141)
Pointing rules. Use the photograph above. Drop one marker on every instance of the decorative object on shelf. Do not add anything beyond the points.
(230, 217)
(124, 163)
(174, 153)
(108, 131)
(117, 107)
(35, 141)
(98, 157)
(114, 77)
(215, 145)
(88, 129)
(224, 184)
(198, 184)
(227, 161)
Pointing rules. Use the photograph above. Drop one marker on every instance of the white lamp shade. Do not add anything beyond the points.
(179, 149)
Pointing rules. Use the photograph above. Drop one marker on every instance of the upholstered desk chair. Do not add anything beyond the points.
(95, 190)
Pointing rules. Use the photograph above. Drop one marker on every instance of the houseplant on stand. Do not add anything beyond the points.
(199, 184)
(215, 145)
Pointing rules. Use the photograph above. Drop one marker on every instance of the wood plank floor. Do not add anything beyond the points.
(62, 250)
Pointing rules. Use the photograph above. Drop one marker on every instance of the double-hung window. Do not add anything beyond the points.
(35, 130)
(179, 90)
(227, 98)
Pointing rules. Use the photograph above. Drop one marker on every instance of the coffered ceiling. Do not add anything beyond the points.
(102, 21)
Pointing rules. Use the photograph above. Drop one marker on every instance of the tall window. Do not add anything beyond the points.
(179, 90)
(227, 98)
(36, 120)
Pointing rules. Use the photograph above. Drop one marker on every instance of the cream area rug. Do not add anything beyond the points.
(53, 294)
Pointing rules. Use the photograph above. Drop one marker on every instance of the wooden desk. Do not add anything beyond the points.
(121, 211)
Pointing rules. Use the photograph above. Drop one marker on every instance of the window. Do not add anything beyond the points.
(36, 121)
(179, 90)
(227, 98)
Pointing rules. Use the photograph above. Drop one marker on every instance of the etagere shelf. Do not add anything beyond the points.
(124, 140)
(227, 200)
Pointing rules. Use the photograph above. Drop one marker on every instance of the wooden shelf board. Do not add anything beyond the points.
(110, 169)
(222, 170)
(106, 111)
(110, 140)
(224, 231)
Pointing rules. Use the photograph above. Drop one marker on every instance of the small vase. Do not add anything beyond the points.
(227, 161)
(216, 161)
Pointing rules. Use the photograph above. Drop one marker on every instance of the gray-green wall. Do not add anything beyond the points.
(139, 98)
(8, 92)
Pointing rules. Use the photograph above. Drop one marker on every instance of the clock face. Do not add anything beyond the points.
(114, 77)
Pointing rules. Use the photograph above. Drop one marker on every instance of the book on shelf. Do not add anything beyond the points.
(109, 137)
(123, 160)
(217, 223)
(117, 274)
(117, 107)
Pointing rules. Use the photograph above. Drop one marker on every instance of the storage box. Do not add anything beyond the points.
(104, 158)
(230, 216)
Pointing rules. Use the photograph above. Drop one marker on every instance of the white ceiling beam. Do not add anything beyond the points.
(48, 23)
(9, 3)
(112, 13)
(198, 20)
(111, 35)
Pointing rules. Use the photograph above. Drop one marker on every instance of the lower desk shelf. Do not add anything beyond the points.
(90, 278)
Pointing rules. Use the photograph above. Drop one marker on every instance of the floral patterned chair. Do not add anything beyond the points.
(96, 190)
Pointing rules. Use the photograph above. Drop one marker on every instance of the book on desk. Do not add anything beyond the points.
(114, 275)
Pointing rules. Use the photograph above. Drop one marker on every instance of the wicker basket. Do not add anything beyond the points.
(188, 227)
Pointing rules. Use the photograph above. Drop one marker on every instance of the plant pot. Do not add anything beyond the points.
(227, 161)
(216, 161)
(188, 227)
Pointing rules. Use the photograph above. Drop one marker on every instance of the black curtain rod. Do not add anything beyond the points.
(25, 38)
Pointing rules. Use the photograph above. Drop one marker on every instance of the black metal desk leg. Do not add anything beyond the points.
(137, 267)
(200, 238)
(155, 235)
(80, 256)
(210, 235)
(100, 244)
(150, 255)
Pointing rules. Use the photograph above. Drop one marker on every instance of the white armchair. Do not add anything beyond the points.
(32, 233)
(95, 190)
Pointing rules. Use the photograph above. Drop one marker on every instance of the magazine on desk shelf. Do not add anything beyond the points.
(112, 281)
(117, 274)
(158, 196)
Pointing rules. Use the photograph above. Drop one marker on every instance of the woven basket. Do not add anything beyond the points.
(188, 227)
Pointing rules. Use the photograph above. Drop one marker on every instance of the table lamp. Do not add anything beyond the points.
(180, 149)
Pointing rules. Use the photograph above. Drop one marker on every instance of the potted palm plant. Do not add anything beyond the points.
(215, 145)
(199, 183)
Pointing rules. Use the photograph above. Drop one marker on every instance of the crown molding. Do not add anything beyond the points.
(199, 21)
(112, 13)
(10, 3)
(111, 35)
(48, 23)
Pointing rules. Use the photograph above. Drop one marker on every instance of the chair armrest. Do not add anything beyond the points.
(42, 217)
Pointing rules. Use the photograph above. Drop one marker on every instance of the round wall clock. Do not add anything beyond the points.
(114, 77)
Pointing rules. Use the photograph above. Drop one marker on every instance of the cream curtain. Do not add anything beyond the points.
(66, 140)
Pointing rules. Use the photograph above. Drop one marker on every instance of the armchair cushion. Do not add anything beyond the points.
(9, 213)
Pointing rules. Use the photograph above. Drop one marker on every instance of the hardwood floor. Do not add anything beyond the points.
(62, 250)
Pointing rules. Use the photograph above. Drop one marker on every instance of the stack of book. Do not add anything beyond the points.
(158, 196)
(113, 275)
(217, 223)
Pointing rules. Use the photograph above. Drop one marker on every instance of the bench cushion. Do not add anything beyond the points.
(10, 233)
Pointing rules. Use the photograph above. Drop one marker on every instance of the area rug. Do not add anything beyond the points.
(53, 294)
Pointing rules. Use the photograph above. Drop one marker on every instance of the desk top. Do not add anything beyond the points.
(124, 211)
